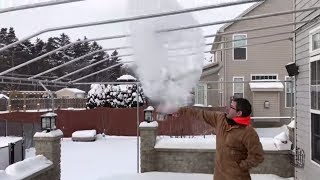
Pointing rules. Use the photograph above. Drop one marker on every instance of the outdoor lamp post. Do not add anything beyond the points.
(148, 114)
(48, 121)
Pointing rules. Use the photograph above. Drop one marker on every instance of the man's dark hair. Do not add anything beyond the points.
(244, 106)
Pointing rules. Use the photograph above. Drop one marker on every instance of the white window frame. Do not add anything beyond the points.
(265, 75)
(205, 94)
(236, 77)
(221, 89)
(314, 56)
(285, 96)
(311, 33)
(241, 47)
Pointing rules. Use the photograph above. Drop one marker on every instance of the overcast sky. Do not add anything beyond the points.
(27, 22)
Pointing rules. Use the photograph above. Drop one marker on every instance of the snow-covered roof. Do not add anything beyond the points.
(4, 141)
(25, 168)
(266, 86)
(126, 77)
(151, 124)
(55, 133)
(3, 96)
(74, 90)
(149, 108)
(49, 114)
(84, 133)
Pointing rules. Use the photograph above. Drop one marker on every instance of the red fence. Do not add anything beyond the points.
(113, 121)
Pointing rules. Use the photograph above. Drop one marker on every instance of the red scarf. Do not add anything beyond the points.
(242, 120)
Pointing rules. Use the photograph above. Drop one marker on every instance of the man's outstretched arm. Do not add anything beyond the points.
(213, 118)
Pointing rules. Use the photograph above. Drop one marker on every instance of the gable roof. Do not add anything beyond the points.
(244, 13)
(212, 68)
(222, 29)
(74, 90)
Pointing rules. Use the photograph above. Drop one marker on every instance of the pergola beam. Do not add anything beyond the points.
(58, 49)
(91, 65)
(76, 59)
(102, 70)
(239, 19)
(127, 35)
(134, 18)
(37, 5)
(55, 82)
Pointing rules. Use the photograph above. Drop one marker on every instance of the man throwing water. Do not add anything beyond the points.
(238, 147)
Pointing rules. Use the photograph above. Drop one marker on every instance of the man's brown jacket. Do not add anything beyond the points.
(238, 148)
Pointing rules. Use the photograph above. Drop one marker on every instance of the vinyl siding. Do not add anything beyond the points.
(266, 58)
(258, 104)
(311, 170)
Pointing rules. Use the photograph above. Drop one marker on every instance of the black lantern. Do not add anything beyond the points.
(48, 121)
(148, 114)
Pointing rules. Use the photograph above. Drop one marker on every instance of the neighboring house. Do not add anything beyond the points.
(208, 93)
(307, 50)
(67, 93)
(3, 102)
(264, 62)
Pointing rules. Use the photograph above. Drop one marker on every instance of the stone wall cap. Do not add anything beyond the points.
(153, 124)
(54, 133)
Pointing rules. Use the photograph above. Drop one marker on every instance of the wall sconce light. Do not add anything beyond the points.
(266, 104)
(292, 69)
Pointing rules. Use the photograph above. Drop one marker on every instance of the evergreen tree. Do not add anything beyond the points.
(114, 73)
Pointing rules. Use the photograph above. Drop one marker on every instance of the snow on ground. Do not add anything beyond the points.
(184, 176)
(115, 157)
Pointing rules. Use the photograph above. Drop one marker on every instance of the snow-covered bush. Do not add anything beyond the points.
(115, 96)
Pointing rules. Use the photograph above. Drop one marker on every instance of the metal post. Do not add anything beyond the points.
(6, 127)
(50, 94)
(138, 122)
(11, 153)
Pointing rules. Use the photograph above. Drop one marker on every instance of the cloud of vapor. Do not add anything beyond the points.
(169, 64)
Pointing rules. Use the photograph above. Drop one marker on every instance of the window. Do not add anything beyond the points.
(315, 93)
(314, 47)
(264, 77)
(239, 47)
(201, 94)
(221, 92)
(238, 88)
(315, 84)
(289, 93)
(315, 137)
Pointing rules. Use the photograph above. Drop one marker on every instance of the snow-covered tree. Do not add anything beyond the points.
(116, 96)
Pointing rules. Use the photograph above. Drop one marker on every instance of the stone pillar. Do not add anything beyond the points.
(48, 144)
(148, 135)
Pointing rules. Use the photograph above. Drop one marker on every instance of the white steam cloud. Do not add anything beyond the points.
(169, 64)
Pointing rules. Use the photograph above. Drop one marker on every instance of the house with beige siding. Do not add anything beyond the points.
(252, 58)
(307, 58)
(67, 93)
(208, 90)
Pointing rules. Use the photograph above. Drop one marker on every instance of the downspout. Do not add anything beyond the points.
(293, 111)
(225, 72)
